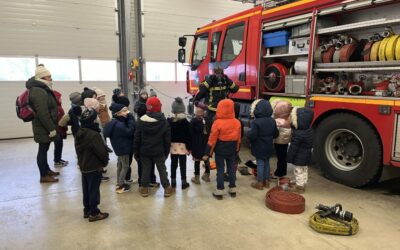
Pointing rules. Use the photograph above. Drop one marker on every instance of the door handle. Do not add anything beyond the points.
(242, 76)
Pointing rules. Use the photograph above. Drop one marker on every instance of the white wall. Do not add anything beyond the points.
(68, 28)
(164, 21)
(12, 127)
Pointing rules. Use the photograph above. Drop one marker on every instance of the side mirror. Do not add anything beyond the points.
(182, 41)
(181, 55)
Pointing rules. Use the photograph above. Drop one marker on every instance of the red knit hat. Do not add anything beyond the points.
(153, 104)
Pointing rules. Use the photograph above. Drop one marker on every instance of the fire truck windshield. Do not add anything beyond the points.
(200, 50)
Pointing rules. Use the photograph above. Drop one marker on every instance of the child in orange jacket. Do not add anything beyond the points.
(224, 140)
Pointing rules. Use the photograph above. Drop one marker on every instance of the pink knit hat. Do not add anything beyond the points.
(92, 103)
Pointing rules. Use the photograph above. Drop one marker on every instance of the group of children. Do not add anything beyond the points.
(152, 137)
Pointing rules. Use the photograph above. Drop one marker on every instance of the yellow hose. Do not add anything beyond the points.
(332, 225)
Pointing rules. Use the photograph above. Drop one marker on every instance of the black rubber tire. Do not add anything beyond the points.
(370, 169)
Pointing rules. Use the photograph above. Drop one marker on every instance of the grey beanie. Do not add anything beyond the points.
(75, 98)
(177, 106)
(152, 93)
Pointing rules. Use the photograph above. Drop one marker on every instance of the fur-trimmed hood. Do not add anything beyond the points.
(260, 108)
(301, 118)
(152, 122)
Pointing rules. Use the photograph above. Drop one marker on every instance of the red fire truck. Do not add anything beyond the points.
(340, 58)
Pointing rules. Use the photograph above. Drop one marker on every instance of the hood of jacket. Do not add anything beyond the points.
(152, 122)
(261, 108)
(225, 109)
(301, 118)
(32, 82)
(83, 138)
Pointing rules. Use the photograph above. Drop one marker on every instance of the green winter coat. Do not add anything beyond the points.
(43, 102)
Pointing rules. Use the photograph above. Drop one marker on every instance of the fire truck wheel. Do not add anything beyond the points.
(348, 150)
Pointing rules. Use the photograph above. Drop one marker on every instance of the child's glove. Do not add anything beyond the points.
(52, 133)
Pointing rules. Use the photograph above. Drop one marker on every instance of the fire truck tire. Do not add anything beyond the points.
(348, 150)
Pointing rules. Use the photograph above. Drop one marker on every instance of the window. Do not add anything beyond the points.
(99, 70)
(160, 71)
(200, 50)
(62, 69)
(233, 42)
(16, 68)
(182, 69)
(214, 45)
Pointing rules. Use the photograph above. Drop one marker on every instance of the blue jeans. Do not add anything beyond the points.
(262, 169)
(230, 166)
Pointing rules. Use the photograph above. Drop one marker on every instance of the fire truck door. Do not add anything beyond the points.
(233, 53)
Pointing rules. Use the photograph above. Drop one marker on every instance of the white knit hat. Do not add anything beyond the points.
(41, 72)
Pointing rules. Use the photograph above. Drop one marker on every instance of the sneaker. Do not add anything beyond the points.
(85, 214)
(132, 181)
(257, 185)
(206, 177)
(144, 191)
(125, 188)
(99, 216)
(59, 164)
(155, 185)
(232, 192)
(218, 194)
(64, 162)
(185, 185)
(169, 191)
(105, 178)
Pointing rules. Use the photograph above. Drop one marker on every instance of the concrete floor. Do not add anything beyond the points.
(49, 216)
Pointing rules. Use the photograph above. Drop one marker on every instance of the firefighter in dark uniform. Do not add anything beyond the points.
(214, 89)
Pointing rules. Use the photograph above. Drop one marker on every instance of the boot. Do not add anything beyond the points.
(218, 194)
(232, 192)
(257, 185)
(48, 179)
(144, 191)
(173, 183)
(185, 184)
(206, 177)
(52, 173)
(99, 216)
(169, 191)
(265, 184)
(196, 179)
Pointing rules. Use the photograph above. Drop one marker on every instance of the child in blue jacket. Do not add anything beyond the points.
(121, 131)
(263, 131)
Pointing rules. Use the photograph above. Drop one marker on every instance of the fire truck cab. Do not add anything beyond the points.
(339, 58)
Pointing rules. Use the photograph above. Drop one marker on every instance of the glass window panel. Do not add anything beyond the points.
(182, 69)
(62, 69)
(160, 71)
(16, 68)
(233, 42)
(99, 70)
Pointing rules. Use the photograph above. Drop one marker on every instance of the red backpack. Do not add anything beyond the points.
(24, 111)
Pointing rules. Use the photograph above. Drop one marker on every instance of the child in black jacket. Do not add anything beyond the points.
(180, 141)
(92, 158)
(152, 145)
(198, 136)
(301, 144)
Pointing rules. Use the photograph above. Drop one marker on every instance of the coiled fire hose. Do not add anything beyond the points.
(285, 202)
(333, 220)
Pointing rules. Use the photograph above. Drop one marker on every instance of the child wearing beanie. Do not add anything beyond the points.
(180, 141)
(104, 116)
(198, 136)
(152, 145)
(120, 131)
(92, 158)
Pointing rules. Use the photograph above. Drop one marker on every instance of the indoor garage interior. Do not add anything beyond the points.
(132, 45)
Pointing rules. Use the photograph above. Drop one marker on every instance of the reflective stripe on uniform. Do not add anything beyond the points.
(217, 88)
(233, 85)
(212, 108)
(205, 83)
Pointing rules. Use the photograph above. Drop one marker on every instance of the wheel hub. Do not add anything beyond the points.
(344, 149)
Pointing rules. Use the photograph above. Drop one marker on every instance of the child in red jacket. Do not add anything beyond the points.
(224, 140)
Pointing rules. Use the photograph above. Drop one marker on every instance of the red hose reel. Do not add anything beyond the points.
(274, 77)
